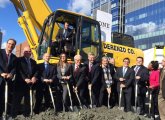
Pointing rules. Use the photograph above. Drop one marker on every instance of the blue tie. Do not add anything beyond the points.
(124, 71)
(46, 68)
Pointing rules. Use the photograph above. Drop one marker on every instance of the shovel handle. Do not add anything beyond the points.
(121, 90)
(51, 94)
(6, 96)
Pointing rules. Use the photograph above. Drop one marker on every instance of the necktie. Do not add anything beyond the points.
(136, 69)
(90, 67)
(29, 65)
(46, 68)
(124, 71)
(76, 70)
(7, 58)
(65, 33)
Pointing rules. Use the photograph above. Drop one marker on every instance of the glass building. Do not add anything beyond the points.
(142, 19)
(115, 7)
(145, 21)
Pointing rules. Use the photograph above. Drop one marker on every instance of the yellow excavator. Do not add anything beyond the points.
(41, 25)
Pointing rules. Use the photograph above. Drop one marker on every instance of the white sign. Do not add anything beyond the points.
(105, 20)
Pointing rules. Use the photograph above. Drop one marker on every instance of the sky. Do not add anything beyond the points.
(8, 16)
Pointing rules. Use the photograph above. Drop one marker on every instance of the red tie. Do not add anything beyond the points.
(90, 67)
(76, 70)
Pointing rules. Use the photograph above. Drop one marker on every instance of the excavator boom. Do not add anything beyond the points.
(32, 14)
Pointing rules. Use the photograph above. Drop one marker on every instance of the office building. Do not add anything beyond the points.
(142, 19)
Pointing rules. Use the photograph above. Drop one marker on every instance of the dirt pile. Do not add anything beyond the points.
(101, 113)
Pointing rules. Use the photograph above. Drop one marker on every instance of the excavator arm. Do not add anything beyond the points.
(32, 14)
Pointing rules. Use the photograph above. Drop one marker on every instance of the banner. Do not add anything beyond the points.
(105, 20)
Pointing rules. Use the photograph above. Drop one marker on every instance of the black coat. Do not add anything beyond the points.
(163, 84)
(7, 68)
(129, 77)
(79, 77)
(142, 82)
(23, 71)
(93, 77)
(49, 74)
(61, 36)
(144, 74)
(112, 72)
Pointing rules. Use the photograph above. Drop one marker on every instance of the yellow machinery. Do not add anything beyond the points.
(41, 25)
(162, 47)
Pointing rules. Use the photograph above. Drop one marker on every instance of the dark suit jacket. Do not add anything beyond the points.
(129, 77)
(67, 73)
(93, 77)
(112, 74)
(142, 82)
(22, 69)
(163, 84)
(49, 74)
(78, 78)
(61, 36)
(7, 68)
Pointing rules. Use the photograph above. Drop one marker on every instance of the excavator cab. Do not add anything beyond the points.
(85, 35)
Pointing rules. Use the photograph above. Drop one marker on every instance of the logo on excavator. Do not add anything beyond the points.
(119, 48)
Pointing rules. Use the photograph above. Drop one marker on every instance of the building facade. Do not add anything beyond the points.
(19, 48)
(116, 8)
(145, 21)
(142, 19)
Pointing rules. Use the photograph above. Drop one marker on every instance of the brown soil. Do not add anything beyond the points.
(101, 113)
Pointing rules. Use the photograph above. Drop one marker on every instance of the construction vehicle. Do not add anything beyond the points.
(156, 53)
(39, 22)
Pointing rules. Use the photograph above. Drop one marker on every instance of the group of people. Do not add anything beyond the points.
(86, 84)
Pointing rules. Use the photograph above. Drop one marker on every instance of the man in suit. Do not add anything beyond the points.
(161, 96)
(26, 78)
(93, 77)
(107, 79)
(125, 76)
(64, 36)
(78, 80)
(141, 78)
(7, 71)
(47, 76)
(114, 86)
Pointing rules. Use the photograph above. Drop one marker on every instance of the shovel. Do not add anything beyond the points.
(136, 88)
(121, 90)
(109, 95)
(6, 99)
(78, 100)
(51, 94)
(71, 104)
(90, 94)
(150, 100)
(31, 101)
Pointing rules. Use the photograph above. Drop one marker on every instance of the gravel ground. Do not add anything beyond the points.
(101, 113)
